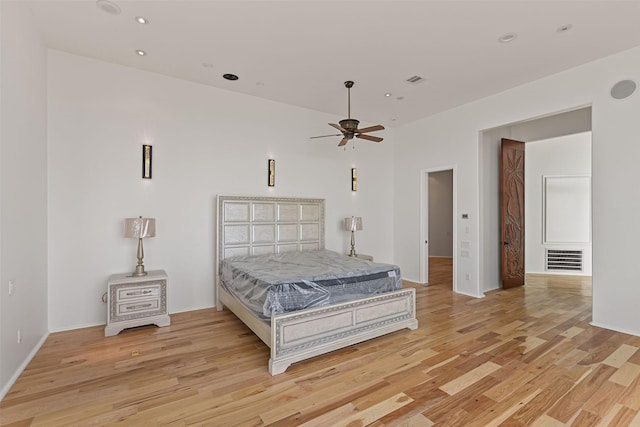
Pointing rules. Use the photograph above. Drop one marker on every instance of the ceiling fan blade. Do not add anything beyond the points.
(371, 129)
(337, 127)
(324, 136)
(343, 142)
(369, 138)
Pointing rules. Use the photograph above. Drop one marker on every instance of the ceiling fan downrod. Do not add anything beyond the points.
(348, 84)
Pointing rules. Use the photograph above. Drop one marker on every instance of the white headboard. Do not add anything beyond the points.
(259, 225)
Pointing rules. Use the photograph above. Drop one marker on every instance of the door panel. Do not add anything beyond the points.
(512, 212)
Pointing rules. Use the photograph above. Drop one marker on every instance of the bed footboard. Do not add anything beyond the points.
(300, 335)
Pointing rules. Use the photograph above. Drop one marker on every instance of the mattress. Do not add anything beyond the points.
(280, 283)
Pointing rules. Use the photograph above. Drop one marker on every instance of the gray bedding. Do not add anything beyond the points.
(280, 283)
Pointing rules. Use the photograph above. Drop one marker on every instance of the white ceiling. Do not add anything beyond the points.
(300, 52)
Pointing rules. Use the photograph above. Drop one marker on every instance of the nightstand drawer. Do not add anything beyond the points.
(138, 306)
(136, 301)
(151, 290)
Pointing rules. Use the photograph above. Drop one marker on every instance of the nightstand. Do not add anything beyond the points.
(362, 256)
(136, 301)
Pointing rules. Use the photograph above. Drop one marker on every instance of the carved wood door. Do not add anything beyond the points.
(512, 212)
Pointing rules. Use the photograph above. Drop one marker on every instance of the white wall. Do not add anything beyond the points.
(554, 125)
(206, 141)
(441, 213)
(562, 156)
(23, 200)
(453, 137)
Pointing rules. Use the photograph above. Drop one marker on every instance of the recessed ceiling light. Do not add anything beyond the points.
(141, 20)
(506, 38)
(229, 76)
(564, 28)
(141, 52)
(109, 7)
(387, 94)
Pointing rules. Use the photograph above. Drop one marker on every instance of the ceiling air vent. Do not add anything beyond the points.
(415, 80)
(564, 260)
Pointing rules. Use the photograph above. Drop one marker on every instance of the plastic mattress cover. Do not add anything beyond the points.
(272, 284)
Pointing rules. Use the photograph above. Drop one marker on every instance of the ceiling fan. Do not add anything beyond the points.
(349, 127)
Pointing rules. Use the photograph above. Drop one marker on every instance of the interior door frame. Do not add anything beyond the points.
(424, 225)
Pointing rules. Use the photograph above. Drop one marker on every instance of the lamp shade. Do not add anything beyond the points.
(353, 223)
(139, 227)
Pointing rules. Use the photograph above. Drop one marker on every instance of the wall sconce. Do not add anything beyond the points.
(354, 179)
(146, 161)
(271, 173)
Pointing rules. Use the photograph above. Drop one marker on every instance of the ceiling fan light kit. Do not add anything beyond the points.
(349, 127)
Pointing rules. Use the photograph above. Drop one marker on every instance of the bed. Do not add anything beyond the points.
(276, 229)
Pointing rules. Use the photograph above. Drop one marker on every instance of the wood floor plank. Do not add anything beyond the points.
(611, 415)
(547, 421)
(366, 416)
(417, 420)
(626, 374)
(509, 382)
(441, 411)
(503, 410)
(469, 378)
(623, 417)
(575, 399)
(586, 419)
(631, 396)
(601, 403)
(524, 356)
(620, 355)
(542, 402)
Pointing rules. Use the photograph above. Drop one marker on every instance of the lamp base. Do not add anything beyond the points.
(139, 271)
(353, 244)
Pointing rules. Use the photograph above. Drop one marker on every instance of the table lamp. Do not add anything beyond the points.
(352, 224)
(139, 228)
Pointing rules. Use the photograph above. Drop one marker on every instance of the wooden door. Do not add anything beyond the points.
(512, 212)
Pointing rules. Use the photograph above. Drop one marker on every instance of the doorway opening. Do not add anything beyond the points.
(544, 133)
(437, 227)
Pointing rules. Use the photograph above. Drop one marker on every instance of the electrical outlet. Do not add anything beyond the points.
(19, 337)
(11, 286)
(468, 276)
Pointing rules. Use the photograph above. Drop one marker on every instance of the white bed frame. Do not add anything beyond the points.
(258, 225)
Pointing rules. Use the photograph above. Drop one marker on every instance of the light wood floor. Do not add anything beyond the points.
(526, 356)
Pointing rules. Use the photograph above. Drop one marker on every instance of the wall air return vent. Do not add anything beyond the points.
(415, 80)
(564, 260)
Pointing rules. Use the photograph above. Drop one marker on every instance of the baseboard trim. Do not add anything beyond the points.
(611, 328)
(468, 294)
(495, 288)
(22, 367)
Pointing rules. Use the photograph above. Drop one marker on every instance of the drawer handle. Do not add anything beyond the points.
(134, 307)
(145, 292)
